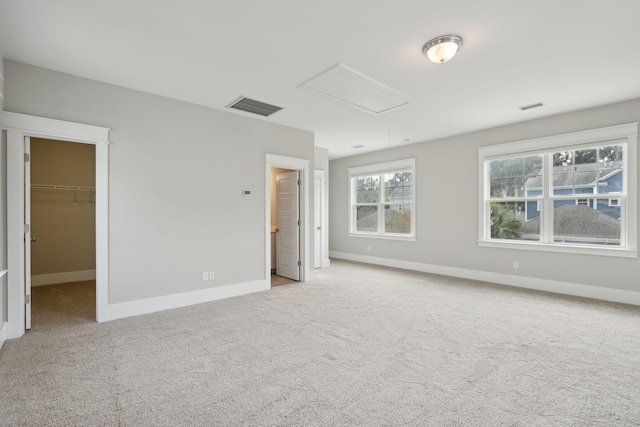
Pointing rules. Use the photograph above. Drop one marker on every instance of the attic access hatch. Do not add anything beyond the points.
(348, 87)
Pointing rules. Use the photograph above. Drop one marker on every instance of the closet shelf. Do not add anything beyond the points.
(62, 187)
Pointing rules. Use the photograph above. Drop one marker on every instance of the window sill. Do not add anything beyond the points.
(384, 236)
(569, 249)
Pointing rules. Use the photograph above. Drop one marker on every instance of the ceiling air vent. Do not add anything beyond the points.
(529, 107)
(253, 106)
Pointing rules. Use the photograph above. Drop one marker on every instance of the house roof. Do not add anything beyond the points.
(212, 52)
(578, 221)
(578, 175)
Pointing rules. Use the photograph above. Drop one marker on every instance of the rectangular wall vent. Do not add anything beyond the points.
(254, 107)
(529, 107)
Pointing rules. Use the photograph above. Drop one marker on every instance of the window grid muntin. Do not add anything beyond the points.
(401, 166)
(547, 199)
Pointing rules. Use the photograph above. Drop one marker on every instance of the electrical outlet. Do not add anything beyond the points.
(205, 276)
(515, 264)
(212, 275)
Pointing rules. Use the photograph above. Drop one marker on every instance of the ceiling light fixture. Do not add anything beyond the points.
(443, 48)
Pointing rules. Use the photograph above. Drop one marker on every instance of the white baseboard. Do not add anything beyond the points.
(558, 287)
(310, 276)
(66, 277)
(152, 305)
(3, 333)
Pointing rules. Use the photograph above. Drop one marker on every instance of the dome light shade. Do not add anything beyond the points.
(443, 48)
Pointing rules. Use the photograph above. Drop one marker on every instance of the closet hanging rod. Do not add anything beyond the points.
(62, 187)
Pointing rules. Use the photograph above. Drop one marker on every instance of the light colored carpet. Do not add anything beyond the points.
(63, 305)
(361, 345)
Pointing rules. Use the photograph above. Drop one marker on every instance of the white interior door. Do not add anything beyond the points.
(27, 233)
(288, 228)
(317, 222)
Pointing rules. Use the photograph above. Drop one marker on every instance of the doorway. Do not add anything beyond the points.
(60, 245)
(18, 127)
(300, 165)
(285, 225)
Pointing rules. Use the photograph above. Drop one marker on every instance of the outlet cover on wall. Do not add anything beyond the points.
(212, 275)
(205, 276)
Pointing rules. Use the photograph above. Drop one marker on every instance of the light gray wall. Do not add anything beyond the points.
(321, 159)
(447, 206)
(176, 176)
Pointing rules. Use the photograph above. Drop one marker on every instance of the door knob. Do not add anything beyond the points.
(277, 229)
(33, 239)
(318, 228)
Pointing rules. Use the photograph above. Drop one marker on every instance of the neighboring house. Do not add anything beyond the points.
(397, 200)
(578, 224)
(580, 179)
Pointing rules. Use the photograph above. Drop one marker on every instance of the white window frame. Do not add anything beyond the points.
(614, 202)
(626, 134)
(382, 169)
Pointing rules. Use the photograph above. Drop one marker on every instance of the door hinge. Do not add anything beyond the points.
(27, 299)
(299, 263)
(298, 182)
(26, 228)
(298, 223)
(26, 157)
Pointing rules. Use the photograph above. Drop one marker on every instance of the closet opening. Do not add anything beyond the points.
(60, 245)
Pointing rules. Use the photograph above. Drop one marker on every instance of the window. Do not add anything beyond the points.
(382, 200)
(534, 193)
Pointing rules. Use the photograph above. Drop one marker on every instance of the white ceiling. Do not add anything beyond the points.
(569, 54)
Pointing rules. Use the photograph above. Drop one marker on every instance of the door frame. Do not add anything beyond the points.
(19, 126)
(306, 239)
(295, 228)
(324, 212)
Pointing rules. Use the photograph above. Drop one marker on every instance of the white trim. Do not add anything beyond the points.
(65, 277)
(303, 165)
(167, 302)
(625, 135)
(18, 127)
(322, 176)
(553, 286)
(366, 235)
(568, 139)
(3, 324)
(55, 129)
(561, 248)
(380, 169)
(3, 334)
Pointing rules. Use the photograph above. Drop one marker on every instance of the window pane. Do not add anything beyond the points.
(581, 223)
(367, 189)
(397, 187)
(508, 222)
(515, 177)
(610, 154)
(583, 157)
(397, 218)
(366, 218)
(610, 174)
(592, 171)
